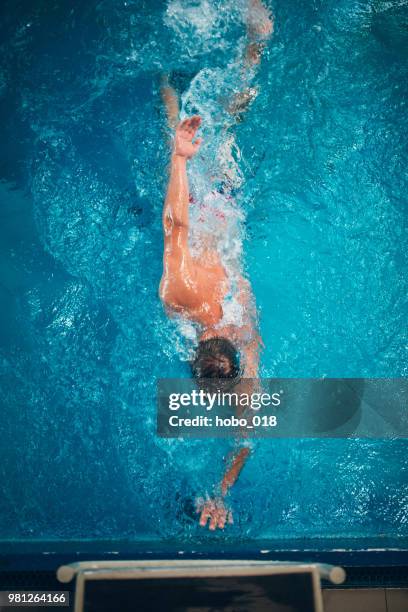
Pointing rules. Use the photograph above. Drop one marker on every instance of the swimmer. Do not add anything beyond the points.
(197, 288)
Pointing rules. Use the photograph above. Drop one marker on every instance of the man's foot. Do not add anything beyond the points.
(260, 21)
(241, 101)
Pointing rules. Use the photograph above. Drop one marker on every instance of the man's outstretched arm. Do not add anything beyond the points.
(175, 213)
(213, 510)
(236, 463)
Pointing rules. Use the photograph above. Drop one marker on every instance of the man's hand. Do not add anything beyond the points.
(215, 510)
(183, 140)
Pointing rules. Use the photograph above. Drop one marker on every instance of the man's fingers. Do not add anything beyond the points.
(195, 122)
(222, 519)
(190, 124)
(213, 522)
(230, 519)
(193, 126)
(197, 142)
(207, 512)
(204, 517)
(183, 124)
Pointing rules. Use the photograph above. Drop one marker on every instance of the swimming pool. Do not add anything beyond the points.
(83, 334)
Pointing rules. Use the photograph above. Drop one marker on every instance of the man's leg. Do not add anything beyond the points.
(260, 24)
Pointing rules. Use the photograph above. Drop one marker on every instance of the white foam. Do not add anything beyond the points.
(202, 26)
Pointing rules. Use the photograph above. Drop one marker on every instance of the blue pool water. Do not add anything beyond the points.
(83, 335)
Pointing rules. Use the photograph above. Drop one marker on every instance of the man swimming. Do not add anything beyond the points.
(198, 286)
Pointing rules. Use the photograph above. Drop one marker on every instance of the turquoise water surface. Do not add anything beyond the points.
(322, 155)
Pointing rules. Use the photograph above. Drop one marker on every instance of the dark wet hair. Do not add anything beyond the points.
(216, 358)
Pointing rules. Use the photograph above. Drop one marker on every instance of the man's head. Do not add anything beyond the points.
(216, 358)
